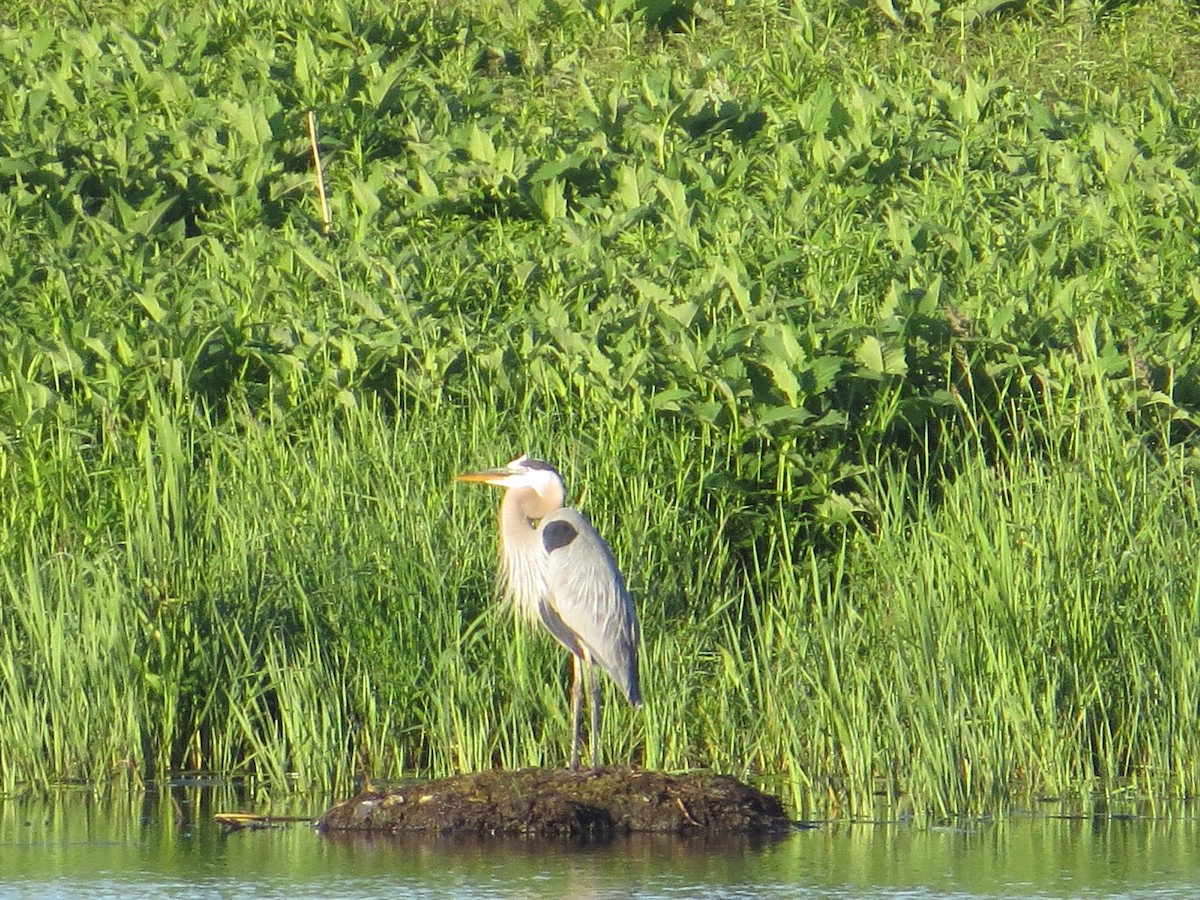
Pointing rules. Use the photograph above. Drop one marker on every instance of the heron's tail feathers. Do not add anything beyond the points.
(629, 682)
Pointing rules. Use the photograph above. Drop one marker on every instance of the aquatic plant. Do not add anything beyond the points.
(873, 355)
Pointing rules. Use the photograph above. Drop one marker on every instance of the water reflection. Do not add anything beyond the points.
(131, 844)
(622, 866)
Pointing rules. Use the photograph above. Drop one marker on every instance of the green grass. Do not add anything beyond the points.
(318, 608)
(866, 334)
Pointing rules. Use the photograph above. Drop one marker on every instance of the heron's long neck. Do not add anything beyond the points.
(520, 546)
(527, 506)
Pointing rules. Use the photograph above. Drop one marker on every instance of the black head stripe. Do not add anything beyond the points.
(539, 464)
(557, 535)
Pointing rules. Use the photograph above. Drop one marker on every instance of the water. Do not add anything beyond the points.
(127, 846)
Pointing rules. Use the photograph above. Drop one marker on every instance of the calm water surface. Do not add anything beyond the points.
(166, 844)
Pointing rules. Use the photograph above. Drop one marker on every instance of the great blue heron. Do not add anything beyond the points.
(557, 568)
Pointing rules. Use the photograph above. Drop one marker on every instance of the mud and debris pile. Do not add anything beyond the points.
(559, 802)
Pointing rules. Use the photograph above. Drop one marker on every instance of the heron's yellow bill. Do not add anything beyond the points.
(489, 476)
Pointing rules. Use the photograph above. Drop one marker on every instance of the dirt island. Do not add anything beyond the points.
(559, 802)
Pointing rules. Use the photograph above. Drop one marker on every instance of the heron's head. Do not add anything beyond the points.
(522, 472)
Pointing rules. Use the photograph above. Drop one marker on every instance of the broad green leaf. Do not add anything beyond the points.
(553, 168)
(311, 261)
(305, 60)
(674, 193)
(870, 354)
(248, 120)
(551, 199)
(772, 415)
(889, 10)
(683, 313)
(480, 145)
(785, 379)
(732, 272)
(669, 398)
(152, 307)
(627, 190)
(655, 293)
(880, 359)
(779, 342)
(825, 370)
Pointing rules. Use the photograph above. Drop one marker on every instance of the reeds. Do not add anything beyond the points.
(881, 385)
(318, 607)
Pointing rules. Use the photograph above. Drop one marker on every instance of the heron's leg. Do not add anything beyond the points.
(595, 679)
(576, 707)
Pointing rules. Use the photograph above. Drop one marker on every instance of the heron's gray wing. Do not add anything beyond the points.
(557, 627)
(586, 596)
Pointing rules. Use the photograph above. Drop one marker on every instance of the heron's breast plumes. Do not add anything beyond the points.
(522, 557)
(524, 577)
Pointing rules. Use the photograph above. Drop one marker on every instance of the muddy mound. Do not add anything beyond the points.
(559, 802)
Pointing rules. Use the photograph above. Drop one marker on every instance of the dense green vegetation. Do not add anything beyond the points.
(866, 333)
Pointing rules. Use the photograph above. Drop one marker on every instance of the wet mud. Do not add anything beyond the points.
(558, 802)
